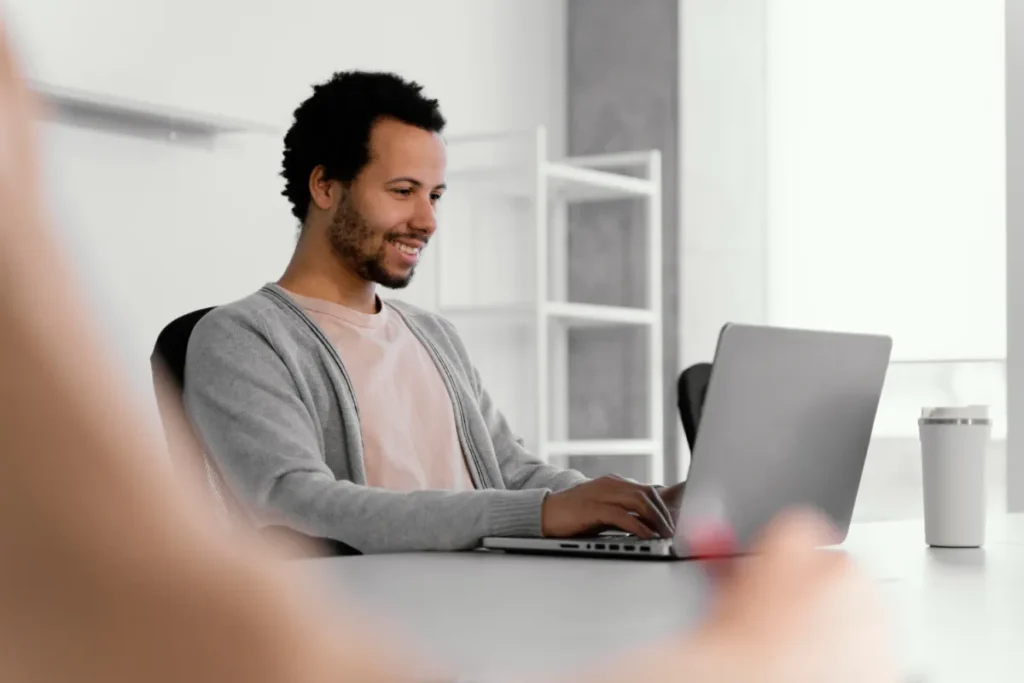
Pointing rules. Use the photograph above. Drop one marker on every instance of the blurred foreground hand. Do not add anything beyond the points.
(798, 614)
(113, 569)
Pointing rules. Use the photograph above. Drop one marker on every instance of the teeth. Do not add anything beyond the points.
(406, 249)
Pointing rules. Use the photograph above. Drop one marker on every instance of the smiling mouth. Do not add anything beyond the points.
(405, 248)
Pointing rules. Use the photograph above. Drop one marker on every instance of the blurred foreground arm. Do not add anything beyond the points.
(113, 571)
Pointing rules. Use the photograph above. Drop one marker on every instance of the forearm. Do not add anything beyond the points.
(268, 450)
(374, 520)
(110, 573)
(531, 475)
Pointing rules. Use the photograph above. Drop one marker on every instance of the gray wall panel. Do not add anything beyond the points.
(623, 80)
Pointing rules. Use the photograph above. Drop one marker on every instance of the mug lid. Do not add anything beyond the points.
(971, 412)
(956, 415)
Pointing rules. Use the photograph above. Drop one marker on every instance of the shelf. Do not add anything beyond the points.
(534, 190)
(573, 183)
(505, 180)
(565, 182)
(946, 361)
(590, 315)
(111, 113)
(514, 313)
(601, 447)
(562, 312)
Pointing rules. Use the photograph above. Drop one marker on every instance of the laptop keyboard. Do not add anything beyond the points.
(617, 537)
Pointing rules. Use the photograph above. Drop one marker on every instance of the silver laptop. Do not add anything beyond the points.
(786, 422)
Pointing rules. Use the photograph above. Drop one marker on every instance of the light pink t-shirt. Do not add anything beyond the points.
(406, 415)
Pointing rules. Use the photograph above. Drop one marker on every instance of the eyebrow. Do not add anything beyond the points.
(414, 182)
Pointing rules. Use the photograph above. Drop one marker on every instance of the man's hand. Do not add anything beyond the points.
(672, 496)
(607, 502)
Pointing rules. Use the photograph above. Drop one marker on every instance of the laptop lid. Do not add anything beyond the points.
(786, 422)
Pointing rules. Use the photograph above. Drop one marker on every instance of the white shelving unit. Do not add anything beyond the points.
(516, 166)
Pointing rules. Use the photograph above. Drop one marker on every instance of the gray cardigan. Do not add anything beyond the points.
(275, 409)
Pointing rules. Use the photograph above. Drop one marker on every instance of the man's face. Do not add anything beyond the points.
(385, 218)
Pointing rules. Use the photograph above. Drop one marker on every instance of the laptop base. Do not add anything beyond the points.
(630, 548)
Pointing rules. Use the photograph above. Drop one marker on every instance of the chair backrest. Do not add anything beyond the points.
(693, 386)
(172, 343)
(168, 365)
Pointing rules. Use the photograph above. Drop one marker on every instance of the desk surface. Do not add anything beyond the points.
(960, 613)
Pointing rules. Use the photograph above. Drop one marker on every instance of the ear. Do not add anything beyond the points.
(324, 193)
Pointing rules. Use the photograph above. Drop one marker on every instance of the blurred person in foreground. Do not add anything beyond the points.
(113, 572)
(339, 414)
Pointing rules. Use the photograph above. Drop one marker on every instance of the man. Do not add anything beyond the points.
(86, 593)
(342, 416)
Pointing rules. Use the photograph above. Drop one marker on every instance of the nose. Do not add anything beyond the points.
(425, 217)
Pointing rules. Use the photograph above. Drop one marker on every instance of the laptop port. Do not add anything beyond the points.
(599, 546)
(568, 545)
(628, 548)
(645, 549)
(613, 547)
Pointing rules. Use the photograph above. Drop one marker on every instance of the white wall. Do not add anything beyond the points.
(160, 227)
(256, 59)
(886, 171)
(723, 173)
(722, 153)
(1015, 252)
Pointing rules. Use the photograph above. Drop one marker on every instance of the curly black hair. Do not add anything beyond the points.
(332, 127)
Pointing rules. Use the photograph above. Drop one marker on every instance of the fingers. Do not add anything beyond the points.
(18, 158)
(714, 542)
(7, 69)
(655, 495)
(788, 552)
(790, 541)
(711, 539)
(795, 533)
(14, 89)
(643, 500)
(636, 500)
(621, 519)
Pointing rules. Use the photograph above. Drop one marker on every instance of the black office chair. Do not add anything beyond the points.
(168, 366)
(183, 442)
(172, 344)
(692, 388)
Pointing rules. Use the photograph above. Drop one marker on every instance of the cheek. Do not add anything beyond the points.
(374, 228)
(389, 214)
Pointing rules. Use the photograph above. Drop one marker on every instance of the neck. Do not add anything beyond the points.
(315, 271)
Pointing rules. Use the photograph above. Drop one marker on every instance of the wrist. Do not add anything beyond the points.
(545, 514)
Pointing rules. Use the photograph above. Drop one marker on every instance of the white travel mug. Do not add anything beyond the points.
(954, 446)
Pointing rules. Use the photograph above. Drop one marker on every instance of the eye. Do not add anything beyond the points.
(435, 197)
(402, 191)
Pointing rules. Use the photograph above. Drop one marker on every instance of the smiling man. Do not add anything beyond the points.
(340, 415)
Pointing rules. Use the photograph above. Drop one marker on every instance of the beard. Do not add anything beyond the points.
(352, 239)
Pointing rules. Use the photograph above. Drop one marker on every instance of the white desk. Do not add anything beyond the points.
(960, 612)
